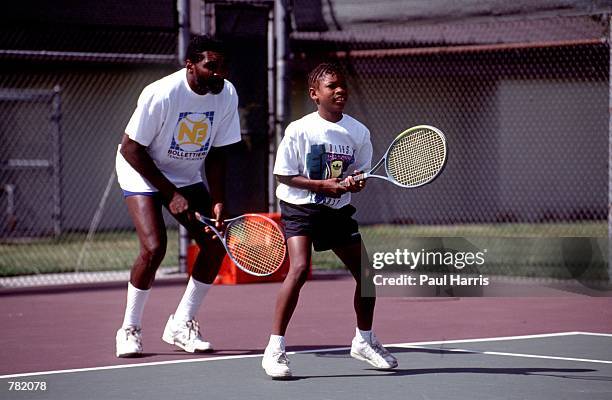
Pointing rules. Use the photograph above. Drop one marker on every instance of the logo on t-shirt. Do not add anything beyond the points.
(327, 161)
(191, 138)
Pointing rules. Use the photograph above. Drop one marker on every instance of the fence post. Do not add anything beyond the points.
(56, 160)
(610, 153)
(183, 247)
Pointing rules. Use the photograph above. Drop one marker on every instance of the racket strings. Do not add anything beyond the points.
(416, 158)
(256, 244)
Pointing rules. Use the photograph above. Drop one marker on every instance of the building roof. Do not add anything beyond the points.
(393, 23)
(554, 29)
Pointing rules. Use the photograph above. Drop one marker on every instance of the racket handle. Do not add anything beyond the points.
(357, 178)
(360, 177)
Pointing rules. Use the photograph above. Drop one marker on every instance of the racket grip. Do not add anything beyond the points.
(357, 178)
(360, 177)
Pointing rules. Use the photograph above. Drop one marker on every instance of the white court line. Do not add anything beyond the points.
(594, 334)
(520, 355)
(401, 345)
(493, 339)
(193, 360)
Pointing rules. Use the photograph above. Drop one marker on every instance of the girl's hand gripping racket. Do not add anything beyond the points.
(414, 158)
(254, 243)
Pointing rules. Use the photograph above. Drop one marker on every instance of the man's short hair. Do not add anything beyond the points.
(201, 43)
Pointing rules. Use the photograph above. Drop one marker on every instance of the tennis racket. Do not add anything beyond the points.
(414, 158)
(253, 242)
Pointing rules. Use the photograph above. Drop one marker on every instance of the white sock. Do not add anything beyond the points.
(191, 301)
(277, 342)
(366, 335)
(136, 300)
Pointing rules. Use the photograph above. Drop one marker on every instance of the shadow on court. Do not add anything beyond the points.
(551, 372)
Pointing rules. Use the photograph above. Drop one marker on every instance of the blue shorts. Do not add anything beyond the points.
(127, 193)
(328, 228)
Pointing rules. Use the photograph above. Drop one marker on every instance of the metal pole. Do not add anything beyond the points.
(11, 219)
(183, 40)
(209, 19)
(465, 49)
(182, 7)
(272, 143)
(184, 241)
(56, 162)
(610, 153)
(281, 55)
(48, 55)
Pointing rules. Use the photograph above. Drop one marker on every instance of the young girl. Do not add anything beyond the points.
(315, 153)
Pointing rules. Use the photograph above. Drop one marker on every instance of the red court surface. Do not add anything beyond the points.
(57, 330)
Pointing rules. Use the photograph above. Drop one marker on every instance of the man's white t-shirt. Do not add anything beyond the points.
(319, 149)
(178, 128)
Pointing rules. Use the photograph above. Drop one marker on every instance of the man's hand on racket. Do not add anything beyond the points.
(332, 188)
(255, 243)
(352, 185)
(217, 215)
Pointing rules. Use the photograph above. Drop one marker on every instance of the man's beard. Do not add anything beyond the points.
(212, 85)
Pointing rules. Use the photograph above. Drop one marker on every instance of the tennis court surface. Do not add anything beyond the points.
(448, 348)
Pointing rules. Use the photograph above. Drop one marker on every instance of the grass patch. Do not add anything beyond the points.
(390, 237)
(106, 252)
(116, 250)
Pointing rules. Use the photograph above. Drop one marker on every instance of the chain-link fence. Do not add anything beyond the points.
(66, 95)
(62, 122)
(523, 102)
(524, 106)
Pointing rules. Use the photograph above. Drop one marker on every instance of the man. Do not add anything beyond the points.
(180, 123)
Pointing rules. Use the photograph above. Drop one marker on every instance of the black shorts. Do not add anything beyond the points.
(328, 228)
(197, 195)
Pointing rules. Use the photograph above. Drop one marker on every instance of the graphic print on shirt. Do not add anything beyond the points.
(191, 138)
(326, 161)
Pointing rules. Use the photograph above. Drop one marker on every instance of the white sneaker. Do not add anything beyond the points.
(380, 349)
(128, 342)
(276, 363)
(185, 335)
(373, 353)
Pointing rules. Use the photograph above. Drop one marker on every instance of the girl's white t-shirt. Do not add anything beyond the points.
(319, 149)
(178, 128)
